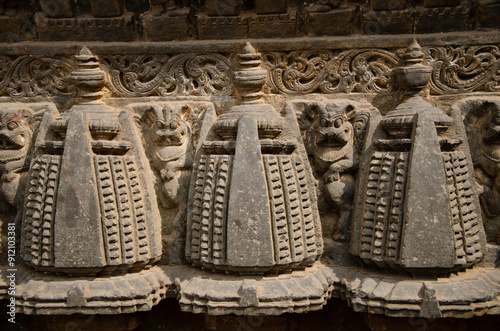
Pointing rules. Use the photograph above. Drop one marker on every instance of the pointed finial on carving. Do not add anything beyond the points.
(85, 51)
(414, 54)
(249, 49)
(414, 75)
(251, 77)
(88, 77)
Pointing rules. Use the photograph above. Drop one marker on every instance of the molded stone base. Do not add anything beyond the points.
(474, 292)
(295, 292)
(42, 294)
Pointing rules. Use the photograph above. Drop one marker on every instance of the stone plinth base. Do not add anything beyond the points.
(41, 294)
(295, 292)
(474, 292)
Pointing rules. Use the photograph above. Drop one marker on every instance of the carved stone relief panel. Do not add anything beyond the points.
(170, 131)
(89, 206)
(249, 162)
(253, 204)
(334, 133)
(482, 122)
(396, 211)
(19, 126)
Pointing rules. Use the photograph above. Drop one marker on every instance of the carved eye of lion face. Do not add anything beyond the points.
(338, 122)
(174, 124)
(160, 125)
(12, 125)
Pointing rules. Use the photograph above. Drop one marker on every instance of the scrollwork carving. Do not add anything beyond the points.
(184, 74)
(30, 76)
(465, 68)
(323, 71)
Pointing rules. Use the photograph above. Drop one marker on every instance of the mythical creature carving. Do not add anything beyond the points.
(17, 127)
(483, 130)
(336, 142)
(173, 158)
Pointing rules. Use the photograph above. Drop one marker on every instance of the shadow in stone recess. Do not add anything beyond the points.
(166, 316)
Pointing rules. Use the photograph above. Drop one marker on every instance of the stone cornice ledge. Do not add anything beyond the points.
(263, 45)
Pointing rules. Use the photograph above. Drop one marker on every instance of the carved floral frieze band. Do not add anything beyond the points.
(163, 75)
(30, 76)
(455, 70)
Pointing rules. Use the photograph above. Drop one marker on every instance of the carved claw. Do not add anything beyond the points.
(167, 174)
(332, 175)
(10, 176)
(341, 237)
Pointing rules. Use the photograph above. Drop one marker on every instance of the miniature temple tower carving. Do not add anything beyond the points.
(88, 166)
(401, 220)
(253, 201)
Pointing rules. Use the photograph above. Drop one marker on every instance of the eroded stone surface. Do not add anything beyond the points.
(237, 157)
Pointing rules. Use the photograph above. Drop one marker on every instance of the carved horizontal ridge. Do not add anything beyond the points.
(465, 219)
(122, 211)
(38, 225)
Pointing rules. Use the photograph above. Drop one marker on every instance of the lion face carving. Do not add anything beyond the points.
(333, 135)
(482, 123)
(171, 128)
(15, 137)
(335, 142)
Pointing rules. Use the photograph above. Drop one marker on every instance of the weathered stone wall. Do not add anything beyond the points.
(268, 165)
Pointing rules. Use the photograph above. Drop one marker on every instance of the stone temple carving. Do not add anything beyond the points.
(252, 209)
(18, 127)
(336, 140)
(482, 123)
(390, 225)
(173, 158)
(88, 207)
(253, 206)
(249, 179)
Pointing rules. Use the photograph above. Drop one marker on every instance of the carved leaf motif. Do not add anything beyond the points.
(184, 74)
(29, 76)
(314, 71)
(464, 69)
(137, 75)
(297, 72)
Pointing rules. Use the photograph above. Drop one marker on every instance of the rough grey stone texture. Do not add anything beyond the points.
(89, 207)
(253, 201)
(230, 126)
(403, 221)
(298, 292)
